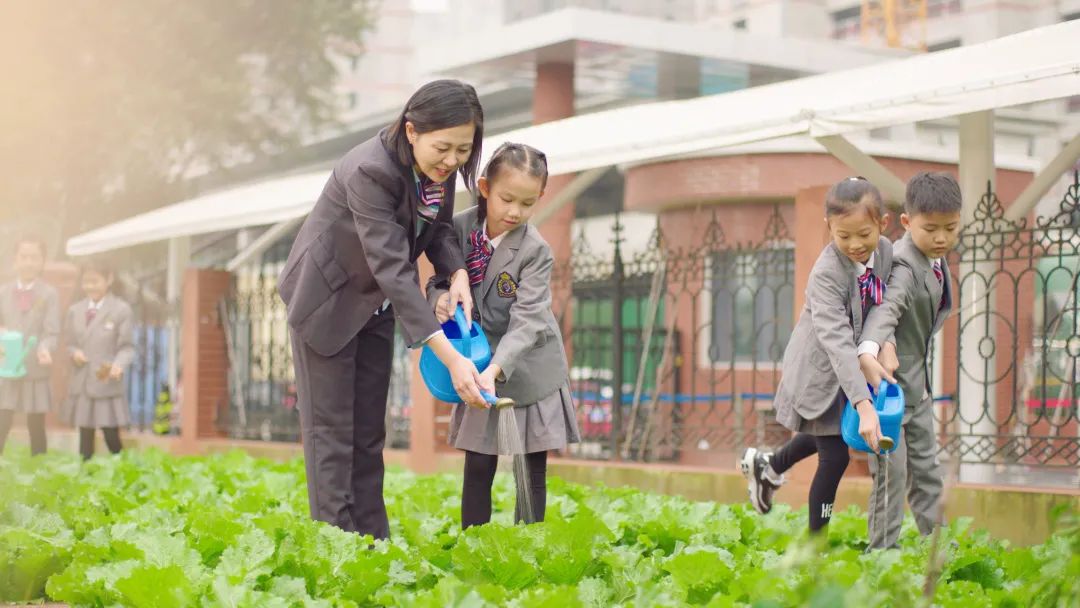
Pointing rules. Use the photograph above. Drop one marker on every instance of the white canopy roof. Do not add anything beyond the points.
(1032, 66)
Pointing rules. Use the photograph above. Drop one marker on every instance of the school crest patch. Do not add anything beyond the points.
(505, 285)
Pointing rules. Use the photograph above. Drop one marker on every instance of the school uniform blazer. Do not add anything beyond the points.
(914, 309)
(514, 306)
(42, 320)
(107, 340)
(359, 246)
(820, 359)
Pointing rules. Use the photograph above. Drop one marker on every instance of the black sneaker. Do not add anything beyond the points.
(762, 479)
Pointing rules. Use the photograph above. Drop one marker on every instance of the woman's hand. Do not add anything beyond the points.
(460, 293)
(467, 382)
(463, 372)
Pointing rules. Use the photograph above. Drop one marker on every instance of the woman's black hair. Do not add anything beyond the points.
(440, 104)
(519, 156)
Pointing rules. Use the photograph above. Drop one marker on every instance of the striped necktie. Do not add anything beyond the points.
(938, 272)
(871, 288)
(479, 256)
(431, 198)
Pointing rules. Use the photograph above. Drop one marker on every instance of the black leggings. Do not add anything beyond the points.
(476, 489)
(35, 423)
(86, 440)
(833, 457)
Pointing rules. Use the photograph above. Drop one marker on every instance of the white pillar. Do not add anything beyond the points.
(976, 393)
(179, 257)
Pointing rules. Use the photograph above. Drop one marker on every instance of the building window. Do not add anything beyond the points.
(941, 46)
(1072, 104)
(752, 305)
(847, 23)
(740, 24)
(940, 8)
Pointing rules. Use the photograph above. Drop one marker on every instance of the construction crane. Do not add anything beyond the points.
(898, 23)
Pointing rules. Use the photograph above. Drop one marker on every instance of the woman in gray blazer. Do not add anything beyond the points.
(821, 368)
(352, 270)
(509, 266)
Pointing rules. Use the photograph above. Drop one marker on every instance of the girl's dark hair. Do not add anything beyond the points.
(519, 156)
(440, 104)
(32, 240)
(846, 195)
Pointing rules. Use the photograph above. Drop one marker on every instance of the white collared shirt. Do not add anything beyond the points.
(868, 346)
(860, 269)
(24, 286)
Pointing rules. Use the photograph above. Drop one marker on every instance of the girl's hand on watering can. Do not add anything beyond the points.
(487, 378)
(461, 293)
(443, 311)
(78, 357)
(43, 357)
(869, 425)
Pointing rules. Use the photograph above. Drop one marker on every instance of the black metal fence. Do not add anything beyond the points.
(1017, 340)
(262, 388)
(148, 391)
(692, 330)
(676, 347)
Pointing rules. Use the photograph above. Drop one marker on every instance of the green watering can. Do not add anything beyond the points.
(14, 350)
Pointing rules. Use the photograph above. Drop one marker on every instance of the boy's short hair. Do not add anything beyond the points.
(930, 192)
(31, 239)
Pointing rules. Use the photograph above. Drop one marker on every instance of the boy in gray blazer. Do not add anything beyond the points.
(918, 300)
(31, 307)
(509, 267)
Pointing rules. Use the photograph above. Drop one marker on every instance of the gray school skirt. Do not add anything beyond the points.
(25, 395)
(91, 413)
(548, 424)
(826, 424)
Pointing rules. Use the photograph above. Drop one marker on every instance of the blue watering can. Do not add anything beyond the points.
(470, 342)
(889, 403)
(13, 353)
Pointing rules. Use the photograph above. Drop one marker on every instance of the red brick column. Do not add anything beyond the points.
(811, 236)
(553, 99)
(203, 359)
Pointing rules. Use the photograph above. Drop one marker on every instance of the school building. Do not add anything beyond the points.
(690, 151)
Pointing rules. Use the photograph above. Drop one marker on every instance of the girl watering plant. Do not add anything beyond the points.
(509, 266)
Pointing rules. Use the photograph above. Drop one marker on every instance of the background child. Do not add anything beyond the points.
(29, 306)
(509, 266)
(100, 342)
(821, 369)
(919, 299)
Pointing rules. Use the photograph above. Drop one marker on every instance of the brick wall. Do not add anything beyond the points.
(204, 362)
